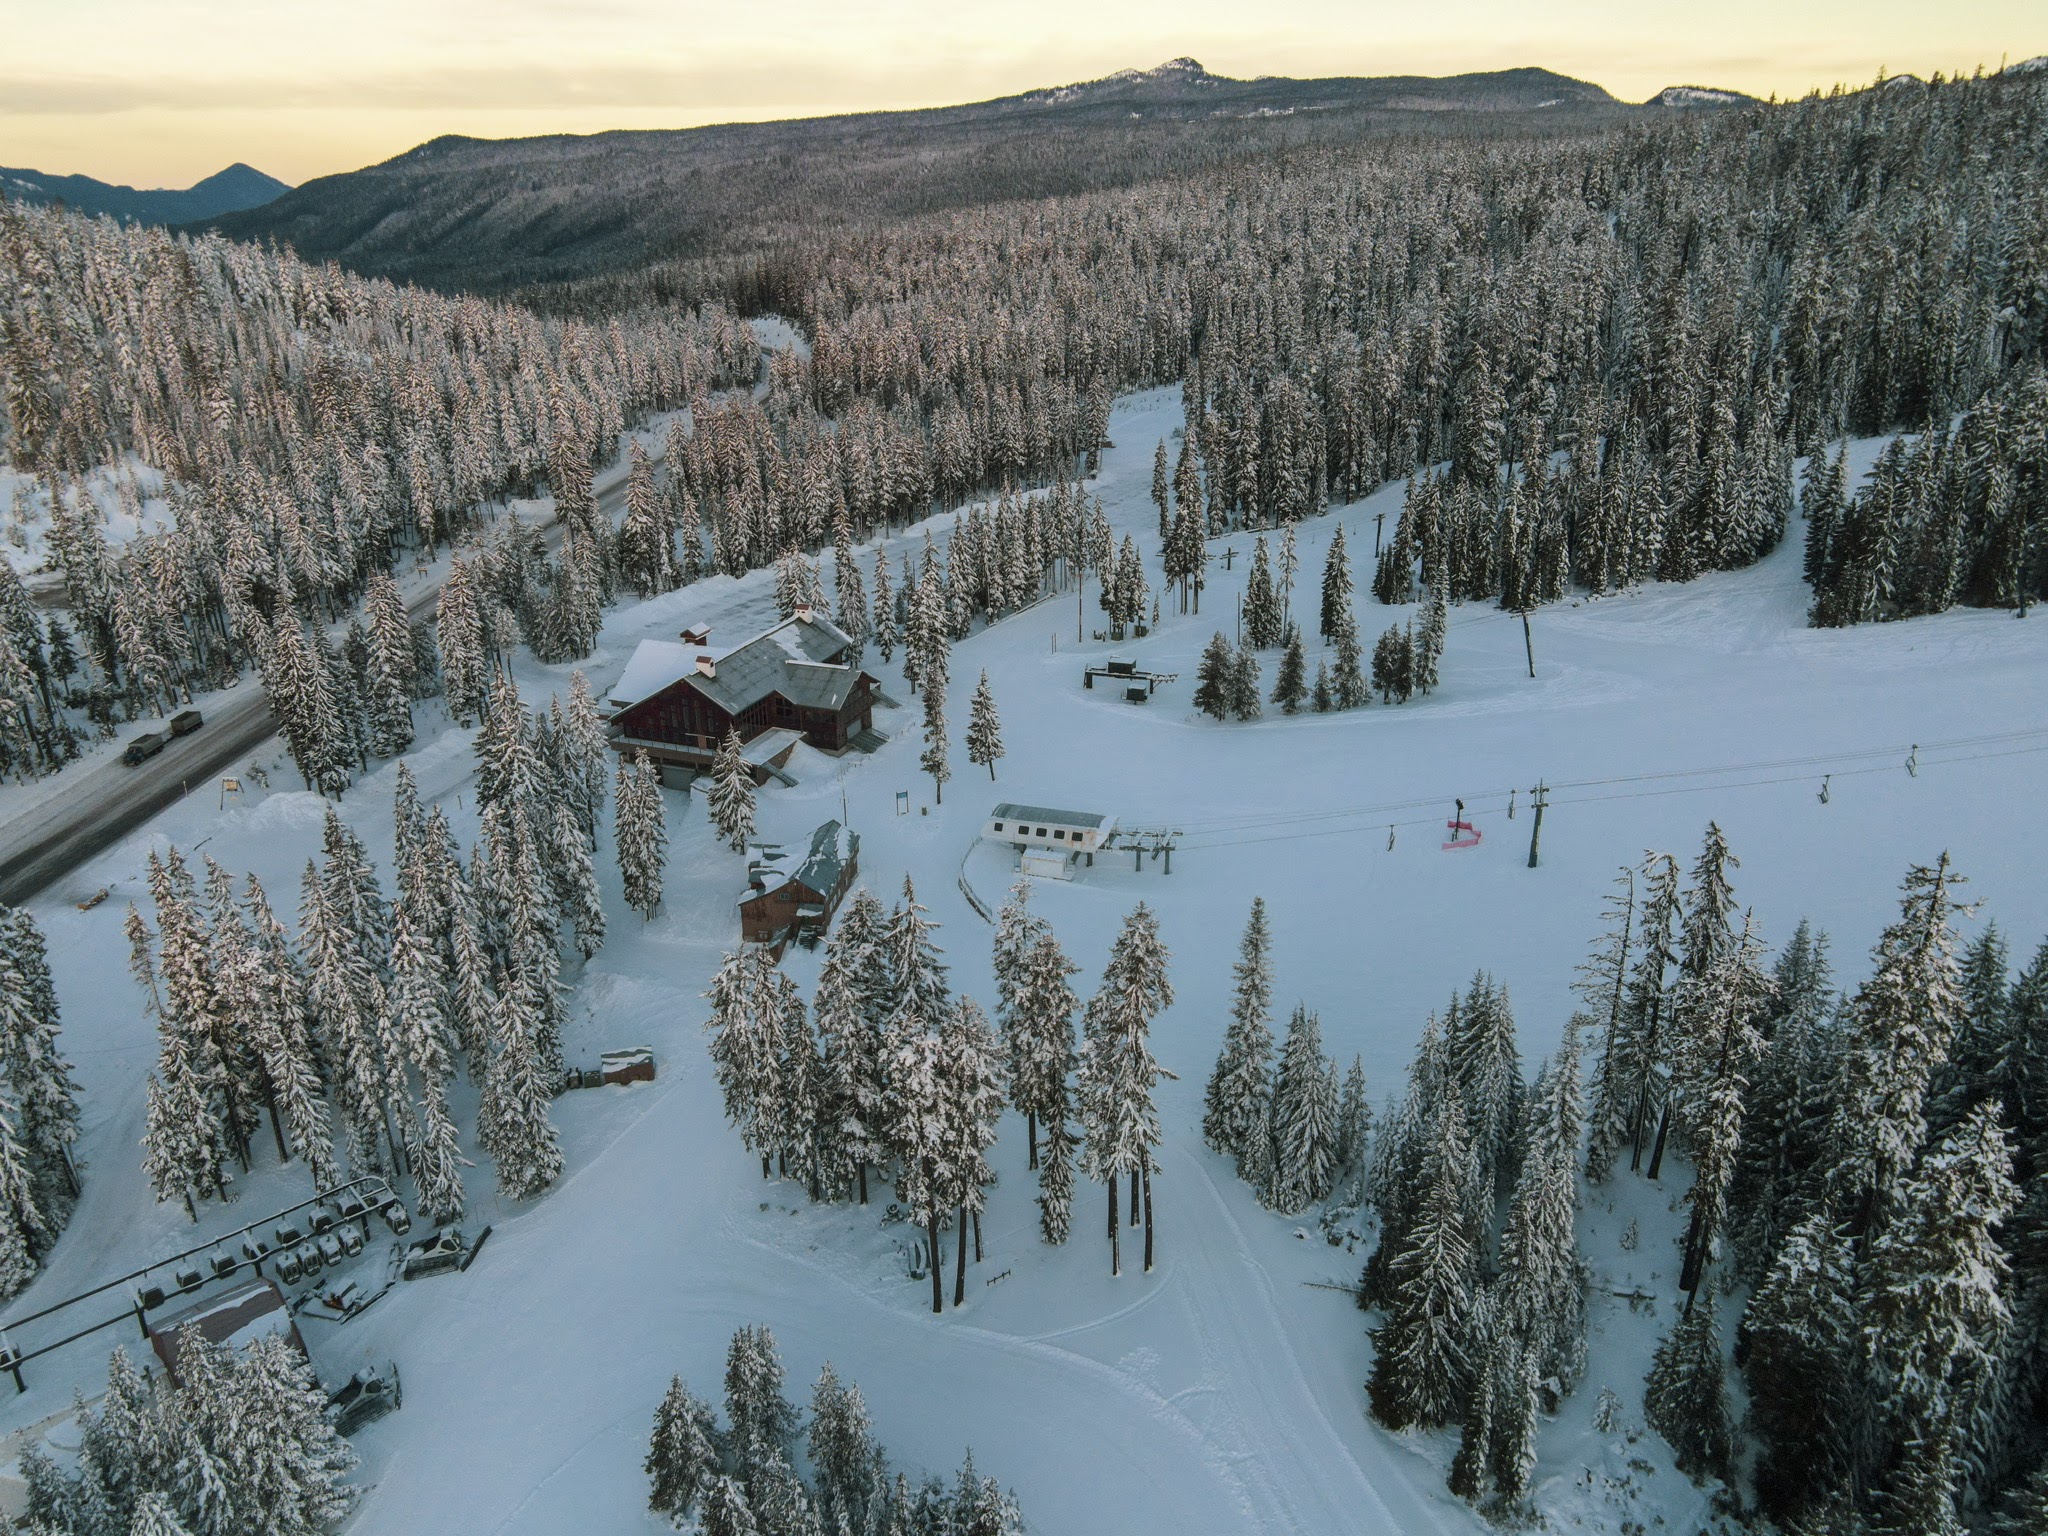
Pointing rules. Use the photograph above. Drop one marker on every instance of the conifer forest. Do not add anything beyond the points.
(507, 950)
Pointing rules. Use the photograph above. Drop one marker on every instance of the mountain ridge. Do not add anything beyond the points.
(235, 189)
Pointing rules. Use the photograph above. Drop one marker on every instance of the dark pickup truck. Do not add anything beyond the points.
(143, 748)
(185, 722)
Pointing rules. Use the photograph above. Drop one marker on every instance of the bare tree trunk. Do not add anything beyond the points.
(1031, 1133)
(1114, 1262)
(960, 1264)
(931, 1230)
(863, 1183)
(977, 1237)
(1145, 1172)
(1134, 1197)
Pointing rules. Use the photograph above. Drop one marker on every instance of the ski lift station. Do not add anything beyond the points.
(1047, 840)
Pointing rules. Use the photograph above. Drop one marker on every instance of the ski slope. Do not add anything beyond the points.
(1221, 1393)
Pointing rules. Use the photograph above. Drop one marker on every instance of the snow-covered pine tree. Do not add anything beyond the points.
(1931, 1303)
(919, 1128)
(1215, 678)
(1722, 1046)
(1628, 1090)
(935, 760)
(984, 730)
(1901, 1025)
(1262, 619)
(682, 1454)
(1118, 1071)
(848, 1009)
(1488, 1071)
(576, 889)
(513, 1123)
(1685, 1398)
(1056, 1183)
(970, 1066)
(1802, 1362)
(38, 1078)
(1238, 1089)
(1422, 1365)
(842, 1449)
(640, 833)
(1290, 688)
(730, 798)
(1304, 1116)
(1347, 677)
(1041, 1037)
(1354, 1134)
(390, 675)
(1540, 1295)
(1335, 613)
(1244, 685)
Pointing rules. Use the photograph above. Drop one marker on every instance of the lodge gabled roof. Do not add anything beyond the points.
(792, 659)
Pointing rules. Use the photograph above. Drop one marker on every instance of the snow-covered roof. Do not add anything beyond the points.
(793, 659)
(1034, 813)
(834, 846)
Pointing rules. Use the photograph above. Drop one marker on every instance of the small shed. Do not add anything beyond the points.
(783, 903)
(240, 1316)
(1067, 833)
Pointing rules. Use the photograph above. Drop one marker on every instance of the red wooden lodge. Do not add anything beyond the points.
(800, 681)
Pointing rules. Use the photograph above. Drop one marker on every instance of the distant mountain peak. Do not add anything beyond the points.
(1693, 97)
(232, 190)
(1173, 73)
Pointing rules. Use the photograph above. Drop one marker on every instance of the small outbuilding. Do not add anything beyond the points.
(784, 903)
(1041, 828)
(240, 1316)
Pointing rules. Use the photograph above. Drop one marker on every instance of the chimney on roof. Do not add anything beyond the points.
(803, 612)
(706, 664)
(697, 634)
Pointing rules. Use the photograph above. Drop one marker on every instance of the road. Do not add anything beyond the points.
(102, 803)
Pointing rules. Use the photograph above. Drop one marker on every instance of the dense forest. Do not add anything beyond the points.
(1596, 357)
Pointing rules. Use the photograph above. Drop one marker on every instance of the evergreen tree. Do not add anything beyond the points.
(1262, 617)
(1422, 1364)
(1685, 1398)
(970, 1064)
(1118, 1072)
(1304, 1118)
(1348, 676)
(1902, 1023)
(934, 760)
(1337, 588)
(1244, 685)
(1801, 1360)
(640, 833)
(1290, 689)
(1040, 1027)
(1215, 678)
(984, 731)
(730, 799)
(682, 1454)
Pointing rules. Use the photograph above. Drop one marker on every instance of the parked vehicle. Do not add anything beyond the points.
(185, 722)
(143, 748)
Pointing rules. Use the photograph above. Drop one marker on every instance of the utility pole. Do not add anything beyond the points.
(1542, 795)
(1528, 644)
(1377, 519)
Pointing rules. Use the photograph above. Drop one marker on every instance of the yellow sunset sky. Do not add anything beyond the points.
(163, 92)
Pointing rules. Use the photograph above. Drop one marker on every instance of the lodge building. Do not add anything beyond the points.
(800, 681)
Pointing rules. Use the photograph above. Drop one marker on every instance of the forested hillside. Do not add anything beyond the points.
(489, 216)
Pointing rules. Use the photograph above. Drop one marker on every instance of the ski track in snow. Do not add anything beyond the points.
(1219, 1393)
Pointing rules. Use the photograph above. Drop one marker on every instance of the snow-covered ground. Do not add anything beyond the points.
(1221, 1393)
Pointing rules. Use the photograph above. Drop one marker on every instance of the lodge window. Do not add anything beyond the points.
(1058, 835)
(1040, 832)
(999, 826)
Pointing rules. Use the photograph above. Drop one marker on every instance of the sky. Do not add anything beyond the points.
(163, 92)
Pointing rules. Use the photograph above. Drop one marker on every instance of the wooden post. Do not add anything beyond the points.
(1528, 644)
(1536, 832)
